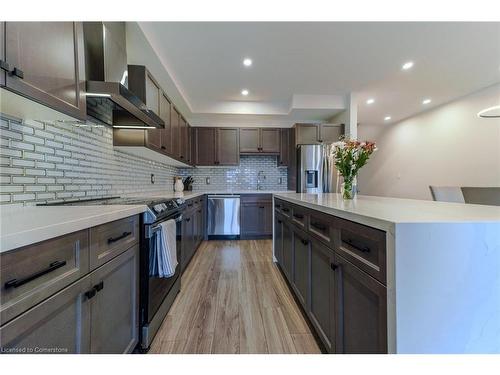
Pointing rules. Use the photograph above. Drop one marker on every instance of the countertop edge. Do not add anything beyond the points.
(30, 237)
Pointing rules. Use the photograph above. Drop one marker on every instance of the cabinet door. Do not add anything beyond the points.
(205, 146)
(330, 133)
(283, 158)
(50, 63)
(187, 238)
(114, 308)
(300, 279)
(267, 207)
(292, 165)
(249, 140)
(176, 134)
(278, 239)
(154, 139)
(2, 52)
(228, 147)
(361, 311)
(153, 94)
(166, 132)
(251, 219)
(306, 134)
(287, 251)
(322, 293)
(183, 130)
(270, 141)
(189, 151)
(60, 323)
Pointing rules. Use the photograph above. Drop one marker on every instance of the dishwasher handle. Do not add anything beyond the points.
(223, 197)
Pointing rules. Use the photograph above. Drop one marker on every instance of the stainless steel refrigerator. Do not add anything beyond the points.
(316, 172)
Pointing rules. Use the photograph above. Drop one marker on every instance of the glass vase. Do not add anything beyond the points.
(349, 189)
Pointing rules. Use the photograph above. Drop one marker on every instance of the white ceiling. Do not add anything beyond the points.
(302, 71)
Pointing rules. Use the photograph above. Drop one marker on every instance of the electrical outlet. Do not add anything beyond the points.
(207, 180)
(152, 178)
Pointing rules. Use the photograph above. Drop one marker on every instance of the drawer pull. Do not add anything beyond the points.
(298, 216)
(333, 266)
(114, 239)
(286, 209)
(14, 283)
(188, 219)
(305, 242)
(99, 286)
(91, 293)
(190, 205)
(279, 222)
(364, 249)
(318, 226)
(262, 207)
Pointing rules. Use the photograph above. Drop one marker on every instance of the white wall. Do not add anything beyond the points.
(447, 146)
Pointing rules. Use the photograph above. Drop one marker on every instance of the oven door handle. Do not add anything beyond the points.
(150, 230)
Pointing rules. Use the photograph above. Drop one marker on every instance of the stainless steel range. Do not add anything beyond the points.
(156, 294)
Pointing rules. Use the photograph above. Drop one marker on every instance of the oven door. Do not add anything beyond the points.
(160, 287)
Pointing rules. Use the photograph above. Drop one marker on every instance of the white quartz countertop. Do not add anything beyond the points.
(380, 212)
(194, 194)
(21, 226)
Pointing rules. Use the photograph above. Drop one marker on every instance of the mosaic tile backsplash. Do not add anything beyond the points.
(43, 162)
(54, 161)
(243, 177)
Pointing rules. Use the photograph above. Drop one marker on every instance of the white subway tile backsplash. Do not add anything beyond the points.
(42, 162)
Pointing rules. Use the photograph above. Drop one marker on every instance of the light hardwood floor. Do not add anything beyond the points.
(234, 299)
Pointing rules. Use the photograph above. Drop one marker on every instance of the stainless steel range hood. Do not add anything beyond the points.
(108, 98)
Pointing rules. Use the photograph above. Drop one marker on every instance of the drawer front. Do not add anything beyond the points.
(111, 239)
(59, 324)
(33, 273)
(286, 209)
(300, 216)
(256, 198)
(322, 226)
(364, 247)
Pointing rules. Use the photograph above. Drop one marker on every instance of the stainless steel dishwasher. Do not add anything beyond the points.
(223, 215)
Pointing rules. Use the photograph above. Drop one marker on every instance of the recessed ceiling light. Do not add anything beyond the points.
(426, 101)
(387, 118)
(244, 92)
(370, 101)
(247, 62)
(407, 65)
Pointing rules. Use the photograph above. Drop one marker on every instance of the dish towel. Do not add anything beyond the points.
(163, 260)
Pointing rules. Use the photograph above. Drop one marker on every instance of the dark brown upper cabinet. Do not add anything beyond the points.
(259, 140)
(307, 134)
(166, 132)
(45, 62)
(284, 156)
(184, 139)
(175, 132)
(204, 146)
(228, 146)
(216, 146)
(142, 83)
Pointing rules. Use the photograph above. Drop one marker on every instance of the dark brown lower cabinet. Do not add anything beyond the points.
(322, 294)
(346, 306)
(74, 321)
(300, 265)
(256, 216)
(60, 323)
(115, 322)
(193, 229)
(287, 250)
(278, 238)
(361, 313)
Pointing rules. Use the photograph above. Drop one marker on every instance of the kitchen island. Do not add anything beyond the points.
(392, 275)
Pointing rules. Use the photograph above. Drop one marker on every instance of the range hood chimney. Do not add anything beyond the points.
(108, 98)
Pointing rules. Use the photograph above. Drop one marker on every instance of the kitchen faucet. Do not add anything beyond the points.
(260, 177)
